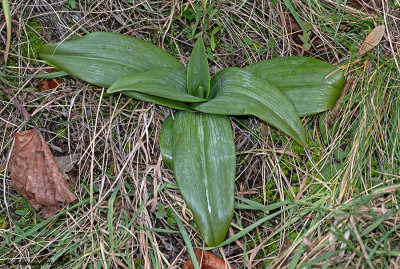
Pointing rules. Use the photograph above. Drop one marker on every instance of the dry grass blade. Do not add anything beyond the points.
(355, 230)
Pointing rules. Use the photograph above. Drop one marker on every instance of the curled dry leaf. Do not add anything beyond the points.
(66, 163)
(35, 174)
(372, 39)
(207, 260)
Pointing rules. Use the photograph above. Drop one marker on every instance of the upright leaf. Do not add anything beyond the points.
(235, 91)
(165, 83)
(166, 141)
(101, 58)
(312, 85)
(204, 164)
(198, 73)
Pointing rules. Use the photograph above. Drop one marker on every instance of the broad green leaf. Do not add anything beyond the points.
(198, 73)
(166, 141)
(312, 85)
(101, 58)
(235, 91)
(204, 164)
(165, 83)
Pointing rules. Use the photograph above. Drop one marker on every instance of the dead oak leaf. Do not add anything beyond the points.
(35, 174)
(372, 39)
(207, 260)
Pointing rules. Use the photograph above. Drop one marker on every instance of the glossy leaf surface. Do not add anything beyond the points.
(204, 164)
(101, 58)
(198, 73)
(169, 84)
(235, 91)
(312, 85)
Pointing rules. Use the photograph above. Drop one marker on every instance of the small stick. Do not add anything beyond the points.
(335, 110)
(19, 107)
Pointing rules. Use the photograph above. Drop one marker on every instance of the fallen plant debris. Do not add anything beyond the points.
(66, 163)
(207, 260)
(50, 84)
(372, 40)
(35, 174)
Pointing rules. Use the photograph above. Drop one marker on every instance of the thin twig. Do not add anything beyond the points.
(353, 225)
(335, 110)
(18, 106)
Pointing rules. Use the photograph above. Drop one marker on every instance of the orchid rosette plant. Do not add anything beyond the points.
(197, 144)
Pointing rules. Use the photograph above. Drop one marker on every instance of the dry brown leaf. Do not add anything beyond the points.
(35, 174)
(372, 39)
(50, 84)
(206, 260)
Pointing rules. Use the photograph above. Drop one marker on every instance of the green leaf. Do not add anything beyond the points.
(166, 141)
(198, 73)
(168, 84)
(289, 6)
(212, 38)
(312, 85)
(101, 58)
(235, 91)
(204, 161)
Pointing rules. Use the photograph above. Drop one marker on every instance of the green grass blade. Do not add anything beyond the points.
(168, 84)
(34, 229)
(378, 222)
(321, 258)
(204, 157)
(7, 16)
(52, 75)
(251, 227)
(186, 238)
(235, 91)
(250, 204)
(312, 85)
(289, 5)
(198, 73)
(297, 255)
(110, 216)
(101, 58)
